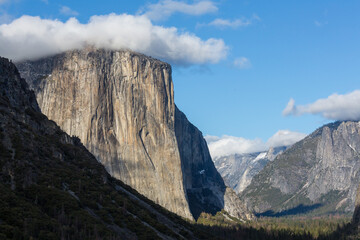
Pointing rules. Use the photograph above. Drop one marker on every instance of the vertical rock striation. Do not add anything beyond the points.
(121, 105)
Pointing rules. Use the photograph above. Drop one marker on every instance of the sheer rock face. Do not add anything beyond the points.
(121, 105)
(323, 169)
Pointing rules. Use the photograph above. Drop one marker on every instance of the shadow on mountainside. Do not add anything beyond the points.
(205, 189)
(204, 186)
(300, 209)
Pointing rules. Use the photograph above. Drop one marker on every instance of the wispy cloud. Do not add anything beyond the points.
(320, 24)
(335, 107)
(242, 63)
(4, 16)
(227, 23)
(219, 22)
(32, 37)
(64, 10)
(227, 145)
(165, 8)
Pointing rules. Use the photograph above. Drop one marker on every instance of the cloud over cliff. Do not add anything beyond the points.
(165, 8)
(32, 37)
(335, 107)
(227, 145)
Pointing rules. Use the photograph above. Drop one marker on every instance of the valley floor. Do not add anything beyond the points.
(299, 227)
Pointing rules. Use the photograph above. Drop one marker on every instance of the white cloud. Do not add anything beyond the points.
(68, 11)
(165, 8)
(209, 139)
(227, 145)
(32, 37)
(228, 23)
(284, 138)
(242, 63)
(290, 108)
(240, 22)
(335, 107)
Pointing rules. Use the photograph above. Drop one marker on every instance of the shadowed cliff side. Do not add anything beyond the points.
(350, 231)
(204, 186)
(356, 216)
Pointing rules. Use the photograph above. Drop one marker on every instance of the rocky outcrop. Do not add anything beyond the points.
(121, 105)
(320, 173)
(14, 89)
(237, 170)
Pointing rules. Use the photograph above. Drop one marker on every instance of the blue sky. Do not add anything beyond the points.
(265, 53)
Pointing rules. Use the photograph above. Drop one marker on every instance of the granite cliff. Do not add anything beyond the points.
(121, 105)
(52, 187)
(318, 175)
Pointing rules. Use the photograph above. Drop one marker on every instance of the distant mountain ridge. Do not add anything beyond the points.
(121, 105)
(237, 170)
(320, 174)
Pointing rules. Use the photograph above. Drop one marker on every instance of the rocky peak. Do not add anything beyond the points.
(238, 169)
(321, 172)
(14, 88)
